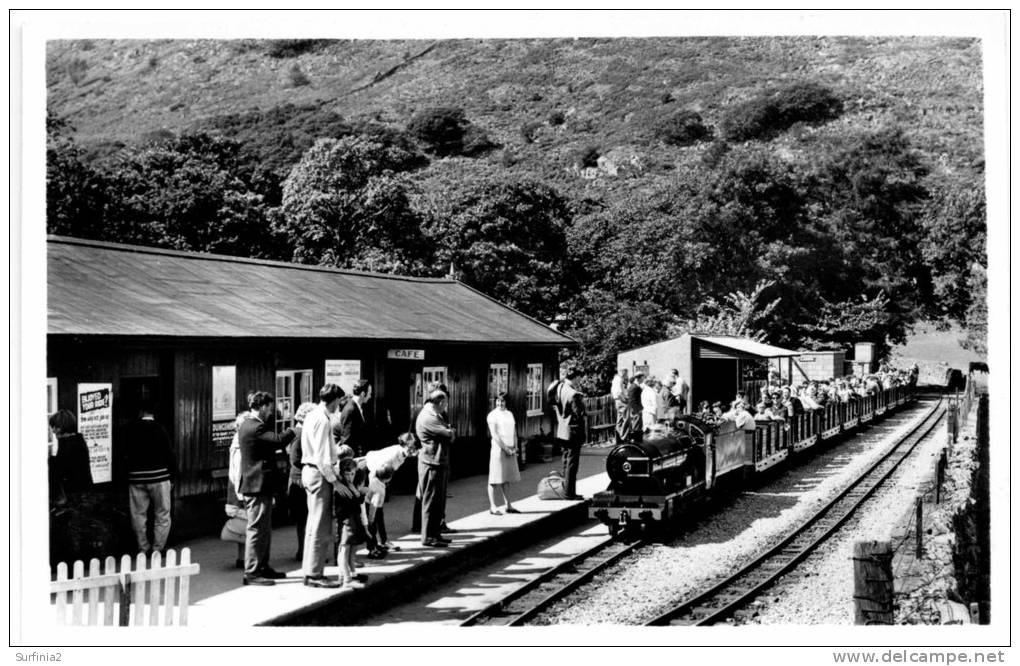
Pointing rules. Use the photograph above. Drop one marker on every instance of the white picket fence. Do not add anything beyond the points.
(152, 593)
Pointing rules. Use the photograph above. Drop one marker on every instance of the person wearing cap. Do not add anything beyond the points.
(436, 437)
(569, 406)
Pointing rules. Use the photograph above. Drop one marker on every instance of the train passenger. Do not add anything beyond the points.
(793, 405)
(742, 418)
(763, 412)
(807, 399)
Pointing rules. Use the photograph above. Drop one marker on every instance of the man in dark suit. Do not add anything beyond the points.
(351, 428)
(634, 407)
(258, 443)
(569, 404)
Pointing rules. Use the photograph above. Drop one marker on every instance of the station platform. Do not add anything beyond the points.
(220, 600)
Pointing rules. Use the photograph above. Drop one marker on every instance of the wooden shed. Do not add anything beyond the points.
(195, 333)
(715, 367)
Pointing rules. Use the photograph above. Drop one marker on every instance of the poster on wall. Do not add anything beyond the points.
(224, 403)
(95, 423)
(343, 373)
(51, 406)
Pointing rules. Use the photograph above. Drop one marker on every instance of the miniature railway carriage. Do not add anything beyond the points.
(652, 482)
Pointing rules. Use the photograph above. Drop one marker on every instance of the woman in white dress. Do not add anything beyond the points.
(503, 455)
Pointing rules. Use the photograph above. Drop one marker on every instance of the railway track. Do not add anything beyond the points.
(724, 599)
(527, 601)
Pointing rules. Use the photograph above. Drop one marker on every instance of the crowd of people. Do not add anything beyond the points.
(337, 484)
(644, 402)
(783, 401)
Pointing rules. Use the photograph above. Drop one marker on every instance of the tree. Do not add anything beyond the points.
(739, 314)
(955, 235)
(507, 239)
(194, 192)
(869, 196)
(976, 338)
(76, 196)
(604, 326)
(346, 204)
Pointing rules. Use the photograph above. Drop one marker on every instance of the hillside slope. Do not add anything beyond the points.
(611, 92)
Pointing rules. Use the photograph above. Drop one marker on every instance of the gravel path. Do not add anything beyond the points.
(661, 575)
(822, 590)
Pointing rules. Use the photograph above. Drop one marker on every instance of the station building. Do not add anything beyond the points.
(195, 333)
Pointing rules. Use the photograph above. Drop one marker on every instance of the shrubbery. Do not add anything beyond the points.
(529, 130)
(440, 128)
(297, 78)
(682, 128)
(586, 157)
(291, 48)
(477, 142)
(775, 111)
(281, 134)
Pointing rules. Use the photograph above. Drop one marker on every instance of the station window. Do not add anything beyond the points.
(534, 389)
(429, 375)
(292, 388)
(498, 377)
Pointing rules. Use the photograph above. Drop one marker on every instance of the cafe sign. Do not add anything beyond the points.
(406, 354)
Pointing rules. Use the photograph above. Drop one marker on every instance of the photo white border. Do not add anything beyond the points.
(28, 279)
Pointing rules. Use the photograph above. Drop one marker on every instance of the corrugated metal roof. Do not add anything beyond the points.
(100, 288)
(746, 346)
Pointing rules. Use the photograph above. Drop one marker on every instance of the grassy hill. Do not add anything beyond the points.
(543, 101)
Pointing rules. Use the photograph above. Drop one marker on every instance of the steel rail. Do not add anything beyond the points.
(788, 561)
(495, 614)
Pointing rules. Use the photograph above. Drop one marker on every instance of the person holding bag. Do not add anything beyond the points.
(502, 456)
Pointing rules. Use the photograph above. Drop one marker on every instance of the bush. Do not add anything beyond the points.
(682, 128)
(477, 142)
(76, 70)
(557, 118)
(440, 128)
(773, 112)
(296, 78)
(586, 157)
(529, 130)
(715, 153)
(291, 48)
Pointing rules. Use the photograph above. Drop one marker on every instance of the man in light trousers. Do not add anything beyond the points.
(318, 474)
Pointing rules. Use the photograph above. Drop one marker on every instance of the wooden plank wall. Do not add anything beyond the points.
(186, 368)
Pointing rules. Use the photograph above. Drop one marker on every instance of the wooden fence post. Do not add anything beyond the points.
(919, 525)
(940, 474)
(873, 582)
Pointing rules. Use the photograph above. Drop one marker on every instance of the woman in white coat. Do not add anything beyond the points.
(502, 455)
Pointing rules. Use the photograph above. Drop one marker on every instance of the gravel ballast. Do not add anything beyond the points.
(660, 575)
